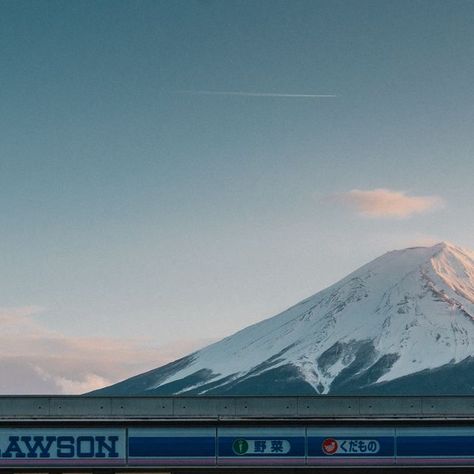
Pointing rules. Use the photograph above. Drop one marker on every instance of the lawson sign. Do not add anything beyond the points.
(50, 446)
(227, 445)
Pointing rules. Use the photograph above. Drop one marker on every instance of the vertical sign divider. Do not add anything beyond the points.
(395, 434)
(305, 445)
(216, 443)
(126, 446)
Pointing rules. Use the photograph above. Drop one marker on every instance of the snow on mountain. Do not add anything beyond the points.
(405, 313)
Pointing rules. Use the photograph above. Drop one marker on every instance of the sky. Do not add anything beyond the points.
(173, 171)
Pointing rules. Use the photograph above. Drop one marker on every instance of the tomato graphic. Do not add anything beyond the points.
(329, 446)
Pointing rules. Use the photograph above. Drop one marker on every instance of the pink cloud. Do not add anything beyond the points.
(386, 203)
(36, 359)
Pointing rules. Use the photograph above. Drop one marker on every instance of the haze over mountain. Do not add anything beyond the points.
(401, 324)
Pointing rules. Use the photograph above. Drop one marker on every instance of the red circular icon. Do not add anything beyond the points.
(329, 446)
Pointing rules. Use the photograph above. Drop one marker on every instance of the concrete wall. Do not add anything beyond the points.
(60, 407)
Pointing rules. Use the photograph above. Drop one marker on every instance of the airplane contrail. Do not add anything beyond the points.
(256, 94)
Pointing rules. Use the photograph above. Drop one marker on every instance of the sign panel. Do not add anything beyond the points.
(172, 446)
(261, 446)
(265, 446)
(351, 446)
(435, 445)
(62, 447)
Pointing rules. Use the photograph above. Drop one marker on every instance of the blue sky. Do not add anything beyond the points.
(132, 209)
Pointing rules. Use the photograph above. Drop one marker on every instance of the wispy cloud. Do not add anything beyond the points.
(36, 359)
(256, 94)
(386, 203)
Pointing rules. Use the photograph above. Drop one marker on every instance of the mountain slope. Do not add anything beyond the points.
(396, 320)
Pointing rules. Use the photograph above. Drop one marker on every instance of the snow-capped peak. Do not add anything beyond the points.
(407, 311)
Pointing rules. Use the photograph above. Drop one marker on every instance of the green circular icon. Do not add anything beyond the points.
(240, 446)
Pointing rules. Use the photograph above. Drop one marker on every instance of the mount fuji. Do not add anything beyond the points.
(401, 324)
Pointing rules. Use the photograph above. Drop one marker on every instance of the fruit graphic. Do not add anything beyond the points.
(329, 446)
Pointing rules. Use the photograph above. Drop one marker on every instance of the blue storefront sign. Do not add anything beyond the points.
(261, 446)
(258, 446)
(351, 446)
(172, 446)
(435, 445)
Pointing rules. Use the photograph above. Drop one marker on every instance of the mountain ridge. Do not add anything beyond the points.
(407, 312)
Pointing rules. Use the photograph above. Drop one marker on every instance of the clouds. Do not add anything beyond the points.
(386, 203)
(35, 359)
